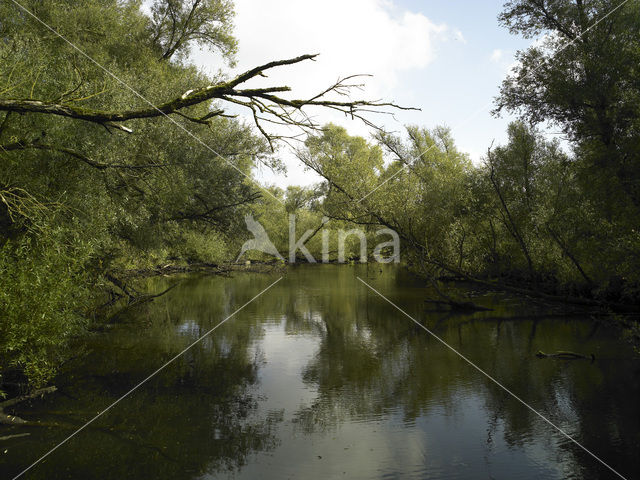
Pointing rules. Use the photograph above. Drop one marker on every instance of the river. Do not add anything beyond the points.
(320, 377)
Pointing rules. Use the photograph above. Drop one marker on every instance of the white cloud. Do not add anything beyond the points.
(355, 36)
(352, 37)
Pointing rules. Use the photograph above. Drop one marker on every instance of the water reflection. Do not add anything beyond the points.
(320, 377)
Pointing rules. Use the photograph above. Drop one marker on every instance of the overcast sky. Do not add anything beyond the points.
(446, 57)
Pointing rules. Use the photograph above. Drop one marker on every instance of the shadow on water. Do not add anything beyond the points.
(320, 377)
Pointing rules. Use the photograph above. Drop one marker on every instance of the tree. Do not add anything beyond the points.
(512, 172)
(534, 200)
(417, 194)
(177, 24)
(298, 198)
(583, 76)
(118, 153)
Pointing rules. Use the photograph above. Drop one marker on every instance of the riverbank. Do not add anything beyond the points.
(207, 268)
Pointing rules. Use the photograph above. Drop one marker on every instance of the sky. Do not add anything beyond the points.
(446, 57)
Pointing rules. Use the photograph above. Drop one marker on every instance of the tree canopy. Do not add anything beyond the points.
(116, 153)
(583, 77)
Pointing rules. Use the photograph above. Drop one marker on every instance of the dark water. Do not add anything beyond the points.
(321, 378)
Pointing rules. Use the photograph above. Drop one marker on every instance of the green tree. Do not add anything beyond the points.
(177, 24)
(583, 76)
(118, 152)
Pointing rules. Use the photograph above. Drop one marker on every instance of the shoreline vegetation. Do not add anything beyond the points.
(599, 307)
(208, 268)
(462, 307)
(97, 187)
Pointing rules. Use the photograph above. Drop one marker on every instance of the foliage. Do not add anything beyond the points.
(583, 77)
(522, 216)
(111, 138)
(564, 222)
(44, 301)
(96, 177)
(76, 202)
(176, 24)
(416, 194)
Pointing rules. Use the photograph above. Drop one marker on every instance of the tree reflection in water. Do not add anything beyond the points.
(321, 376)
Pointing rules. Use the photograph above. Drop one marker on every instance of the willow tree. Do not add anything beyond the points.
(115, 149)
(419, 192)
(583, 77)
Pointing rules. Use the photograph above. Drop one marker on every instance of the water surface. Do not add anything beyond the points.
(321, 378)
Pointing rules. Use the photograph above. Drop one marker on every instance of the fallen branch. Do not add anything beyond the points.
(6, 419)
(565, 355)
(17, 435)
(460, 306)
(148, 297)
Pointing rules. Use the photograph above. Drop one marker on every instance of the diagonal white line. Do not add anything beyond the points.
(493, 379)
(474, 114)
(139, 384)
(139, 95)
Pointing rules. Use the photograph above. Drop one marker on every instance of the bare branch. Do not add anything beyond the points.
(258, 100)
